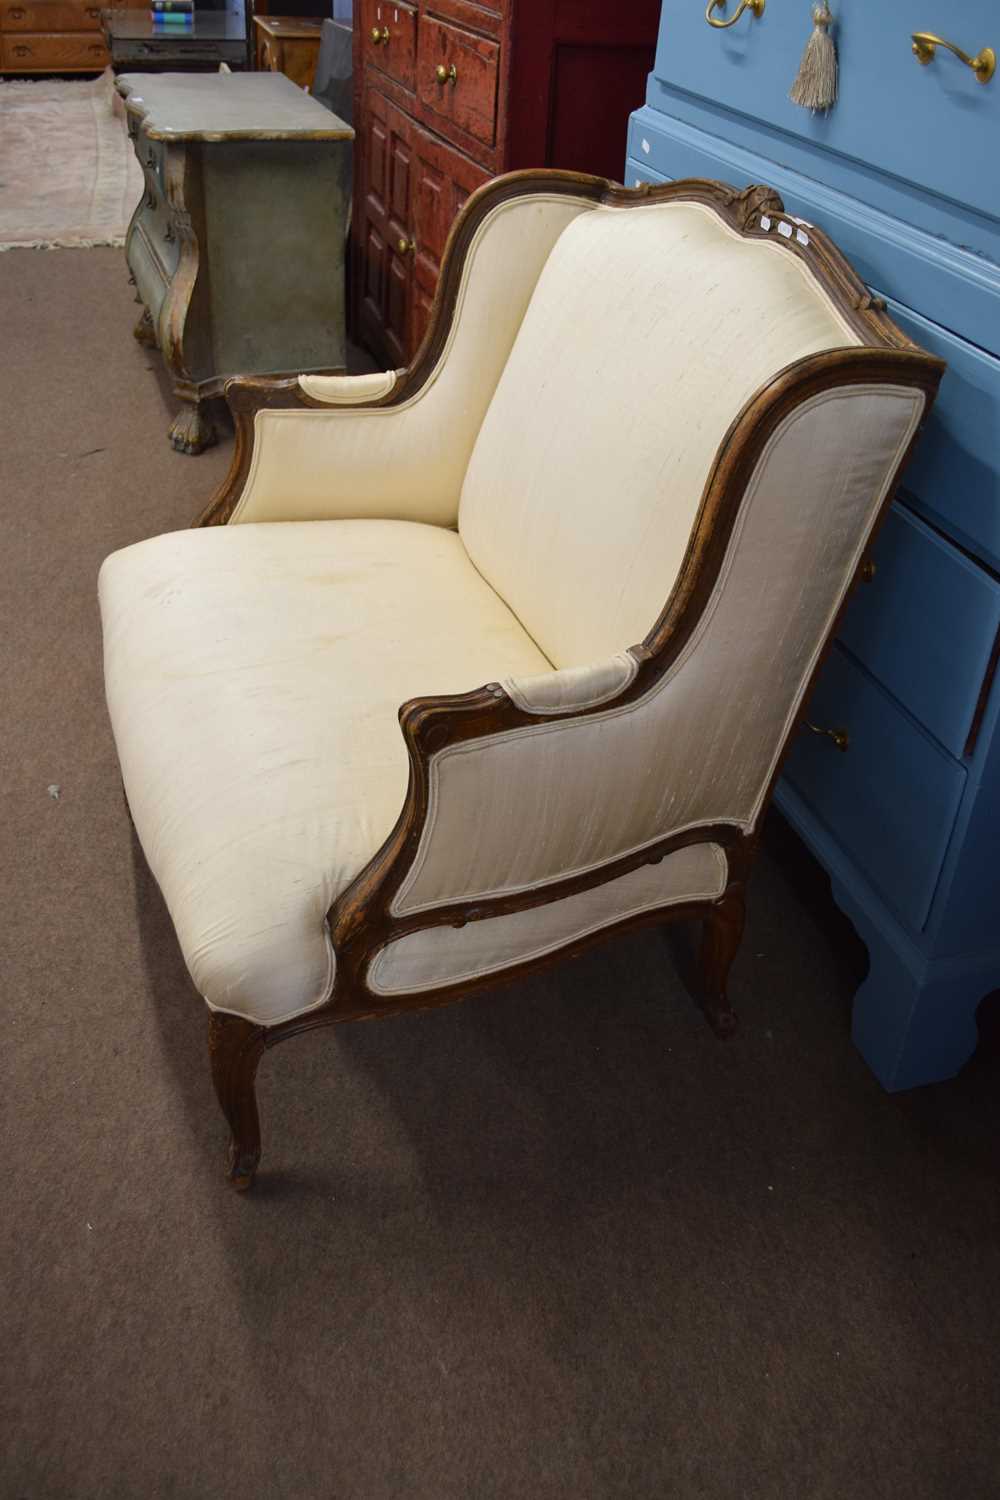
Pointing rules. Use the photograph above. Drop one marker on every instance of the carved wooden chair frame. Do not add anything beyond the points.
(361, 920)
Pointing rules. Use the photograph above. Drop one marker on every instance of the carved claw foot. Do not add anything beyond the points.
(144, 331)
(192, 431)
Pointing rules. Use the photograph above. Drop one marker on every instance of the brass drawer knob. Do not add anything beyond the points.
(840, 737)
(405, 246)
(446, 75)
(756, 8)
(925, 45)
(380, 37)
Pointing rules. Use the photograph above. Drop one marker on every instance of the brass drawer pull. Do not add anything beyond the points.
(380, 38)
(756, 7)
(18, 14)
(405, 247)
(925, 45)
(446, 75)
(21, 50)
(840, 737)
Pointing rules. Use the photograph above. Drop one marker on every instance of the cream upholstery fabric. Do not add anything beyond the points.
(647, 332)
(407, 462)
(254, 674)
(348, 390)
(446, 955)
(572, 688)
(532, 805)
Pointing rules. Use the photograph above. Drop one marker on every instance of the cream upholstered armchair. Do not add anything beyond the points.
(626, 484)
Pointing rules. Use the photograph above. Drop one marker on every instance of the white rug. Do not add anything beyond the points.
(68, 174)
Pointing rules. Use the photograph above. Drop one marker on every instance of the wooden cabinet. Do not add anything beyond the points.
(448, 94)
(236, 247)
(289, 45)
(51, 36)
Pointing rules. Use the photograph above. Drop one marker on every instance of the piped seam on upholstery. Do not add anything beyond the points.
(302, 1010)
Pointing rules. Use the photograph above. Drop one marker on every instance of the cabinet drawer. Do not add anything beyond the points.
(23, 15)
(891, 799)
(33, 53)
(925, 626)
(466, 91)
(955, 474)
(935, 126)
(395, 51)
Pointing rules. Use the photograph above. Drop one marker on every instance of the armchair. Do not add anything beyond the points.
(626, 484)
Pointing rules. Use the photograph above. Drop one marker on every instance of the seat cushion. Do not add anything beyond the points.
(254, 676)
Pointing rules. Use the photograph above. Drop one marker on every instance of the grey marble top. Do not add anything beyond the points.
(227, 107)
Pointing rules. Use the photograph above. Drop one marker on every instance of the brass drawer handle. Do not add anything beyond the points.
(21, 51)
(756, 7)
(380, 38)
(840, 737)
(446, 75)
(406, 247)
(925, 45)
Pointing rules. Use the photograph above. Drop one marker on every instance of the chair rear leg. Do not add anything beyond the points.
(721, 936)
(235, 1047)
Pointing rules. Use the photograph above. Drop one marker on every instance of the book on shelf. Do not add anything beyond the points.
(171, 7)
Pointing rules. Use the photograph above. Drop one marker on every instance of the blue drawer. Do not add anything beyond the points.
(955, 473)
(891, 799)
(925, 626)
(936, 127)
(637, 172)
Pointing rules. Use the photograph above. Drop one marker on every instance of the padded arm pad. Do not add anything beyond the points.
(349, 390)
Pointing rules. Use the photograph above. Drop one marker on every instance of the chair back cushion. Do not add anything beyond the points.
(649, 329)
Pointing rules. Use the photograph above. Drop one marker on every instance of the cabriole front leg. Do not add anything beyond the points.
(721, 936)
(235, 1047)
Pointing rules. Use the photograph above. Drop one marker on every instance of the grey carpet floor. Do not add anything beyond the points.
(555, 1242)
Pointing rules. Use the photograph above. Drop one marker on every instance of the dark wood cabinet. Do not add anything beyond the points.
(449, 93)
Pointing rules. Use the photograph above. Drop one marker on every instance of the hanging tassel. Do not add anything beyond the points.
(815, 86)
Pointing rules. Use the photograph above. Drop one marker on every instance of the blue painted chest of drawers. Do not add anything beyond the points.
(904, 174)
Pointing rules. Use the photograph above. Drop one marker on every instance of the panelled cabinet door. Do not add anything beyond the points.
(442, 179)
(385, 255)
